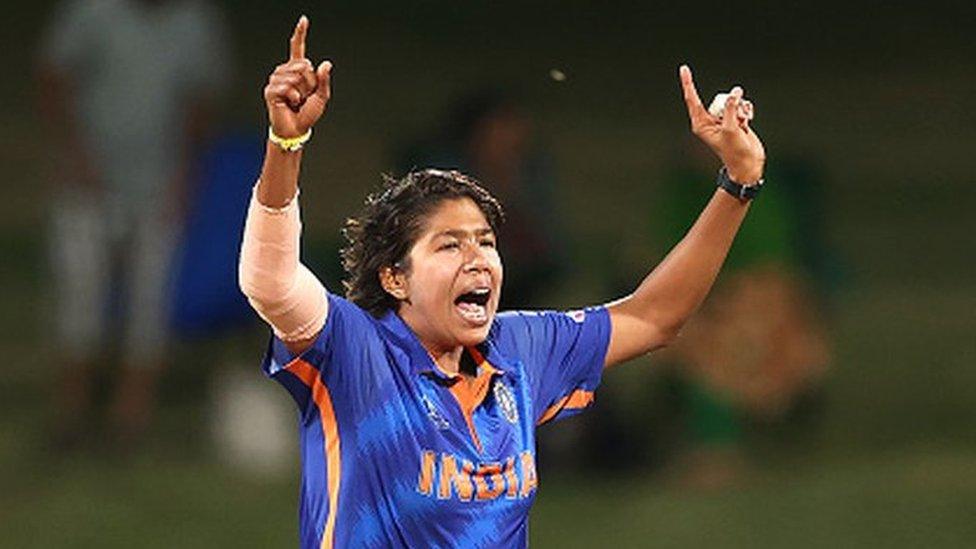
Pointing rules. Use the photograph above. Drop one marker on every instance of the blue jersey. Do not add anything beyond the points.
(397, 453)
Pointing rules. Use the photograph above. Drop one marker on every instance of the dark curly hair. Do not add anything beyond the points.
(392, 220)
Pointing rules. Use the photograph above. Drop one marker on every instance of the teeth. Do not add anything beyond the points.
(480, 291)
(473, 312)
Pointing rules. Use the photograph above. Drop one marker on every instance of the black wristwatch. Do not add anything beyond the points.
(743, 192)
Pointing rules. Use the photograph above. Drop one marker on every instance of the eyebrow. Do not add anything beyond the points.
(459, 233)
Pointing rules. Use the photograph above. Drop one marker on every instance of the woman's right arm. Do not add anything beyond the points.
(282, 290)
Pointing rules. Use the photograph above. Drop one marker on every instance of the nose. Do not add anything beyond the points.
(474, 258)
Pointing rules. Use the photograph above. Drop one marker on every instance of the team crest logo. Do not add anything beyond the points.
(435, 416)
(506, 402)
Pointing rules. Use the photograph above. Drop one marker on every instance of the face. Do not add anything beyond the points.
(449, 293)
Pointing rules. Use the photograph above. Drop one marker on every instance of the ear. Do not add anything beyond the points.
(394, 282)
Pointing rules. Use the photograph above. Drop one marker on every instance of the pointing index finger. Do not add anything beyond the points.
(297, 42)
(695, 107)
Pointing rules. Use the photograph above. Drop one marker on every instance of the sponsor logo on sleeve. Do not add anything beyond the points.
(578, 316)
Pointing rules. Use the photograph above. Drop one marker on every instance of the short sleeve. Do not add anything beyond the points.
(339, 358)
(562, 353)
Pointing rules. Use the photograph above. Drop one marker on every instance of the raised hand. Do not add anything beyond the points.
(297, 93)
(729, 136)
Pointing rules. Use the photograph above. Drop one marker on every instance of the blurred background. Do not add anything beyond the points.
(824, 395)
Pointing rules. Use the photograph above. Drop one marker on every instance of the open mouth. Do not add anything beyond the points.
(473, 305)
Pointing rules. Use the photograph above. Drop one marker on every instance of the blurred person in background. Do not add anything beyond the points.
(757, 351)
(125, 87)
(488, 135)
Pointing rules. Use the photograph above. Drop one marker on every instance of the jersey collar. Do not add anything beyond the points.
(421, 361)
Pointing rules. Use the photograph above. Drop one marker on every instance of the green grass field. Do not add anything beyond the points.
(923, 497)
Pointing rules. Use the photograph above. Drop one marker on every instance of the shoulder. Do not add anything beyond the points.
(347, 327)
(511, 322)
(513, 331)
(350, 321)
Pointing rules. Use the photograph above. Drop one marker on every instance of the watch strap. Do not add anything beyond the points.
(744, 193)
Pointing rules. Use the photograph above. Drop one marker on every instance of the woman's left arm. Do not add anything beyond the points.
(652, 316)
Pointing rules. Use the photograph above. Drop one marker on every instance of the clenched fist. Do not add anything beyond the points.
(297, 93)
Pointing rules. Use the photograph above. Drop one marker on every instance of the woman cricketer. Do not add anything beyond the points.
(418, 401)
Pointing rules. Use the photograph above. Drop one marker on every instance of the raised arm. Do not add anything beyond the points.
(652, 316)
(282, 290)
(296, 96)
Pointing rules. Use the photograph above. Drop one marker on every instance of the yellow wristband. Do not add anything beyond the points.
(290, 144)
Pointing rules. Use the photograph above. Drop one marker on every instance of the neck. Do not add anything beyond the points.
(448, 360)
(447, 357)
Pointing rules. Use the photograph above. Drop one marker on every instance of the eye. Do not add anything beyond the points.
(487, 242)
(452, 245)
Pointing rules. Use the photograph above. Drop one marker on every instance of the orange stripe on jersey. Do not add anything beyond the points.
(480, 360)
(575, 400)
(471, 393)
(330, 431)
